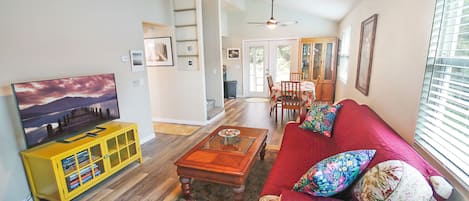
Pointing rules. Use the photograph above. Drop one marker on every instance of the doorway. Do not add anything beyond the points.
(267, 57)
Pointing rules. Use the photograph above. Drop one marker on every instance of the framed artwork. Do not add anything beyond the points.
(136, 60)
(365, 54)
(233, 53)
(158, 51)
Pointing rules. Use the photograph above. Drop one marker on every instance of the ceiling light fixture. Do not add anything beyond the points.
(272, 23)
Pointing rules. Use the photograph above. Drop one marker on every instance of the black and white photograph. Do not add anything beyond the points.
(233, 53)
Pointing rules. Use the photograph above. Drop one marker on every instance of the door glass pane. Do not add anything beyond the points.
(283, 63)
(121, 140)
(306, 60)
(114, 159)
(328, 64)
(256, 69)
(96, 152)
(132, 149)
(130, 136)
(317, 60)
(124, 154)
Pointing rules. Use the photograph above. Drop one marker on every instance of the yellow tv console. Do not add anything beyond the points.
(64, 170)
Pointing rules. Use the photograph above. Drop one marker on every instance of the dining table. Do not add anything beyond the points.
(307, 88)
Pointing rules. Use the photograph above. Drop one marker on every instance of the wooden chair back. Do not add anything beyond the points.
(296, 76)
(270, 82)
(291, 95)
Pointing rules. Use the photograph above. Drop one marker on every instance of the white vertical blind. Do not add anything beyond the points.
(443, 121)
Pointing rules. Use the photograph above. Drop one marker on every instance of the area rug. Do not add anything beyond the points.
(207, 191)
(174, 129)
(257, 100)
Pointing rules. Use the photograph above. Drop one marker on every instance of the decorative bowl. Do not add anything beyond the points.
(229, 132)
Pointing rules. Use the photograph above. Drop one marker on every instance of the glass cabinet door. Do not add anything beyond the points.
(306, 60)
(328, 66)
(317, 55)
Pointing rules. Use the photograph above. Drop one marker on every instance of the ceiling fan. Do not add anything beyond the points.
(272, 23)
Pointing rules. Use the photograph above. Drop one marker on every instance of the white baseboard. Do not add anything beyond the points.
(188, 122)
(147, 138)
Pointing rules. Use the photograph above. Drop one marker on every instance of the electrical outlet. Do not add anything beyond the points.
(124, 59)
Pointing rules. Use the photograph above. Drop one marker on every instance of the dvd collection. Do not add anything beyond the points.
(69, 164)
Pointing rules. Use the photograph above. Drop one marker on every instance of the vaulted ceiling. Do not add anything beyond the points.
(328, 9)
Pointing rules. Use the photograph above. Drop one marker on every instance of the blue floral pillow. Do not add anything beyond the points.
(334, 174)
(321, 119)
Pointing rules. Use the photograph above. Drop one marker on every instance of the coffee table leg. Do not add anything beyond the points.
(238, 193)
(262, 154)
(186, 187)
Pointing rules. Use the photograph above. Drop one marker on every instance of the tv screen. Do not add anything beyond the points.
(55, 109)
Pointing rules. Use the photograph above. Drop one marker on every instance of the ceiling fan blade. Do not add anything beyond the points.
(288, 23)
(256, 22)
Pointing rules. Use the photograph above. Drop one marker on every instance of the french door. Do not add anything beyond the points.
(267, 57)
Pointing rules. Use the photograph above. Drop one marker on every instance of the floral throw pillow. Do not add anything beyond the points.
(392, 180)
(321, 119)
(334, 174)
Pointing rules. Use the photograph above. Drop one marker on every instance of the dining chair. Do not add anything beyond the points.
(296, 76)
(291, 93)
(273, 103)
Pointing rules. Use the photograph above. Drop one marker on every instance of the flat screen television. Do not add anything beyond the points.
(57, 109)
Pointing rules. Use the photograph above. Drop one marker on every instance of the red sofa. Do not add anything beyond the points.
(356, 127)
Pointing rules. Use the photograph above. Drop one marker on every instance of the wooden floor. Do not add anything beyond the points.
(156, 178)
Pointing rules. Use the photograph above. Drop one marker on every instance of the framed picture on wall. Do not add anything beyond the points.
(136, 60)
(365, 54)
(233, 53)
(158, 51)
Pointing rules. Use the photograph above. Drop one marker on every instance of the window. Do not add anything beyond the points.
(443, 120)
(344, 54)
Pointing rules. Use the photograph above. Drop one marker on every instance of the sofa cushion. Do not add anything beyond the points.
(334, 174)
(298, 152)
(320, 118)
(392, 180)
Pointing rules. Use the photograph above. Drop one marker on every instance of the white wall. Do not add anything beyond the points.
(177, 96)
(212, 51)
(54, 39)
(259, 11)
(401, 44)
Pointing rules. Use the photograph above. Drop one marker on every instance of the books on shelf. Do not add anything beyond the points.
(83, 157)
(68, 163)
(72, 181)
(96, 170)
(85, 174)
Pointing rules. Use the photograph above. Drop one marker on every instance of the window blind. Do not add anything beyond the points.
(443, 120)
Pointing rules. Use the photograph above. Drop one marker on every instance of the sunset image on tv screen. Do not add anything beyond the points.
(51, 109)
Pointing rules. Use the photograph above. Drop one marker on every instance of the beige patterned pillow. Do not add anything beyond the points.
(270, 198)
(393, 180)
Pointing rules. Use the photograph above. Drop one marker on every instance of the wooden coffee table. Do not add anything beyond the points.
(222, 160)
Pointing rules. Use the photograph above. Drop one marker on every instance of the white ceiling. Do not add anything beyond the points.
(329, 9)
